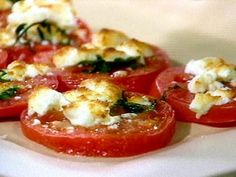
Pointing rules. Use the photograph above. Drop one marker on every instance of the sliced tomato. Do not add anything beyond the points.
(3, 58)
(137, 80)
(3, 18)
(180, 99)
(148, 131)
(11, 108)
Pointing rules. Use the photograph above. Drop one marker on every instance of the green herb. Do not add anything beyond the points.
(45, 32)
(100, 65)
(133, 107)
(2, 74)
(9, 93)
(14, 1)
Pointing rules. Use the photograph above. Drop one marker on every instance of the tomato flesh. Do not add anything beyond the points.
(181, 98)
(148, 131)
(13, 107)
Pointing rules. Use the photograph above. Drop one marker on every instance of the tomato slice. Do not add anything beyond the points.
(148, 131)
(138, 80)
(3, 58)
(181, 98)
(3, 18)
(11, 108)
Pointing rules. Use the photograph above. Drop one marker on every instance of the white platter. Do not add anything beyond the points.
(185, 29)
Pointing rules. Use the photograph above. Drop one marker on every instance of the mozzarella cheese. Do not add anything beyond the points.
(208, 83)
(59, 12)
(38, 104)
(19, 70)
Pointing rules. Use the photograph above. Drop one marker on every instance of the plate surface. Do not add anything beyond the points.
(186, 30)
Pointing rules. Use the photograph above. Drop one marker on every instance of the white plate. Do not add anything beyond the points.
(185, 29)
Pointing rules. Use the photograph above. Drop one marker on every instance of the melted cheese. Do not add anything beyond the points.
(107, 38)
(109, 92)
(59, 12)
(19, 70)
(90, 113)
(208, 83)
(143, 100)
(86, 106)
(38, 104)
(71, 56)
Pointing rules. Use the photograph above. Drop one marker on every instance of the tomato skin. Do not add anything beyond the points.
(12, 108)
(164, 80)
(181, 98)
(139, 80)
(3, 58)
(3, 18)
(103, 144)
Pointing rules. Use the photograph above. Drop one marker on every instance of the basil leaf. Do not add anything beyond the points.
(44, 30)
(9, 93)
(131, 107)
(100, 65)
(2, 74)
(14, 1)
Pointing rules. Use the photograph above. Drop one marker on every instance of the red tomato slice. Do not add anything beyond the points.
(138, 80)
(148, 131)
(3, 18)
(3, 58)
(180, 99)
(12, 107)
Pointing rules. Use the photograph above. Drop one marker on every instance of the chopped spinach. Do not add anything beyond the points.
(9, 93)
(100, 65)
(44, 30)
(131, 107)
(2, 74)
(14, 1)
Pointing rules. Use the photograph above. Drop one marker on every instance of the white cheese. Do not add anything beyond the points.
(71, 56)
(106, 38)
(7, 37)
(19, 70)
(143, 100)
(109, 91)
(59, 12)
(204, 82)
(89, 113)
(208, 83)
(44, 99)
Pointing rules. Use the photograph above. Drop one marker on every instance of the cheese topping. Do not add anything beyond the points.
(59, 12)
(88, 105)
(109, 45)
(38, 104)
(210, 75)
(19, 70)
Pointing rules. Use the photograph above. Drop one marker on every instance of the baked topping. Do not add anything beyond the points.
(210, 83)
(108, 50)
(93, 103)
